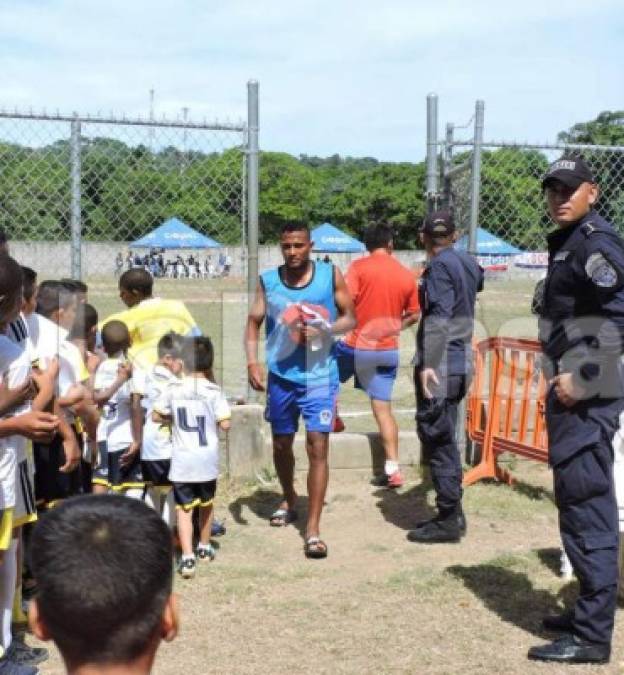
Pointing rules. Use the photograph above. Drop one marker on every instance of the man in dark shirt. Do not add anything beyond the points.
(443, 367)
(581, 328)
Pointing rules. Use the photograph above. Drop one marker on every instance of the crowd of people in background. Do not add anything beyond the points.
(179, 267)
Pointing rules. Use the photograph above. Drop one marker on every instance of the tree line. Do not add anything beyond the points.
(126, 191)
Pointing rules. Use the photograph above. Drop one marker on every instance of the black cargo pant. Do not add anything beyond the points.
(581, 452)
(436, 424)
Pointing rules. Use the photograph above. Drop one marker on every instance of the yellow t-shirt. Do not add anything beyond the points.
(148, 321)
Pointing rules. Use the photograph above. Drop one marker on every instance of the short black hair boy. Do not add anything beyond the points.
(170, 344)
(104, 582)
(135, 285)
(10, 288)
(53, 297)
(115, 337)
(198, 355)
(85, 322)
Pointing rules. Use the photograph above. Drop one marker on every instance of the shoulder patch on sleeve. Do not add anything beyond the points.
(601, 271)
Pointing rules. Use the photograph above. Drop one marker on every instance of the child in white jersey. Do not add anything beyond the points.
(57, 464)
(156, 444)
(196, 408)
(120, 467)
(16, 506)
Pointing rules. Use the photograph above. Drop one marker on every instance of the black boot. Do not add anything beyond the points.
(559, 623)
(437, 531)
(457, 513)
(571, 649)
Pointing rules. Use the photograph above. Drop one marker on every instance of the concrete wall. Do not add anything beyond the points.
(248, 450)
(52, 259)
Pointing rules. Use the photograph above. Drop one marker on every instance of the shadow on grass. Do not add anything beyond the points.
(263, 504)
(511, 594)
(405, 509)
(550, 558)
(535, 492)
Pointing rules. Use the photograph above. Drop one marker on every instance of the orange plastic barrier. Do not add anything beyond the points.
(505, 411)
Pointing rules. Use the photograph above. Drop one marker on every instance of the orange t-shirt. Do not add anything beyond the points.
(383, 292)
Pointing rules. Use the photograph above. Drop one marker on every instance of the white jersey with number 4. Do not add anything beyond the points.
(196, 406)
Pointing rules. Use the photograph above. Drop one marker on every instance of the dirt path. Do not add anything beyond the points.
(378, 604)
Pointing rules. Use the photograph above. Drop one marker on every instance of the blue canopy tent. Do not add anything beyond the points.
(488, 245)
(173, 233)
(329, 239)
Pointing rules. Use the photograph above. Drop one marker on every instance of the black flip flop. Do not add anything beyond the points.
(315, 548)
(282, 517)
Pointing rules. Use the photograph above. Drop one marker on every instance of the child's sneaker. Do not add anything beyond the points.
(206, 552)
(186, 568)
(217, 529)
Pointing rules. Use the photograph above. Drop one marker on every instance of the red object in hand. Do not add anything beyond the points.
(297, 315)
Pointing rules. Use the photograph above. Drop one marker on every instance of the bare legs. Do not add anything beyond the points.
(387, 428)
(317, 444)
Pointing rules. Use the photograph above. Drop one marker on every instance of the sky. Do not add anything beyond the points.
(335, 76)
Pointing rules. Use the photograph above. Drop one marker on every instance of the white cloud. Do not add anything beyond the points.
(341, 76)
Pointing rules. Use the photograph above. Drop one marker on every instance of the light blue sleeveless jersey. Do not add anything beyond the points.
(286, 358)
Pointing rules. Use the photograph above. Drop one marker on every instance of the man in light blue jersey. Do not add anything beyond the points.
(305, 303)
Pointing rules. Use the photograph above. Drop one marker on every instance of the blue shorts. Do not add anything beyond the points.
(374, 371)
(287, 400)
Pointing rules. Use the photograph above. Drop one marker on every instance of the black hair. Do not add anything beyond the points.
(86, 320)
(29, 281)
(295, 226)
(170, 344)
(10, 282)
(378, 236)
(4, 239)
(104, 575)
(75, 285)
(52, 297)
(115, 337)
(137, 280)
(198, 354)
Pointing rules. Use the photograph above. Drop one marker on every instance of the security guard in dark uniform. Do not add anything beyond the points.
(581, 329)
(443, 368)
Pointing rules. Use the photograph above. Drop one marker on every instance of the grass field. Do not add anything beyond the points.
(378, 604)
(220, 308)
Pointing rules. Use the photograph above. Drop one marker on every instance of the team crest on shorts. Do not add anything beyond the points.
(325, 416)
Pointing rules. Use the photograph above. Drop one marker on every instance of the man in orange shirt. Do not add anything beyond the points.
(386, 301)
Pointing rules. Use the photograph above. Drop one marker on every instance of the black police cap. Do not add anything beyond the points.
(439, 224)
(569, 170)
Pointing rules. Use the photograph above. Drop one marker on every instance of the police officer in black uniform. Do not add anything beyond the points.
(581, 329)
(443, 367)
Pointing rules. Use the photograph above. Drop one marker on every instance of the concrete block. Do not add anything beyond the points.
(248, 446)
(360, 451)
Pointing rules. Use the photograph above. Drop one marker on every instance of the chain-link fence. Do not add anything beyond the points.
(497, 185)
(79, 193)
(511, 200)
(80, 190)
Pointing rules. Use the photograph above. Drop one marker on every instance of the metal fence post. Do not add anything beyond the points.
(432, 152)
(447, 164)
(252, 196)
(75, 216)
(475, 192)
